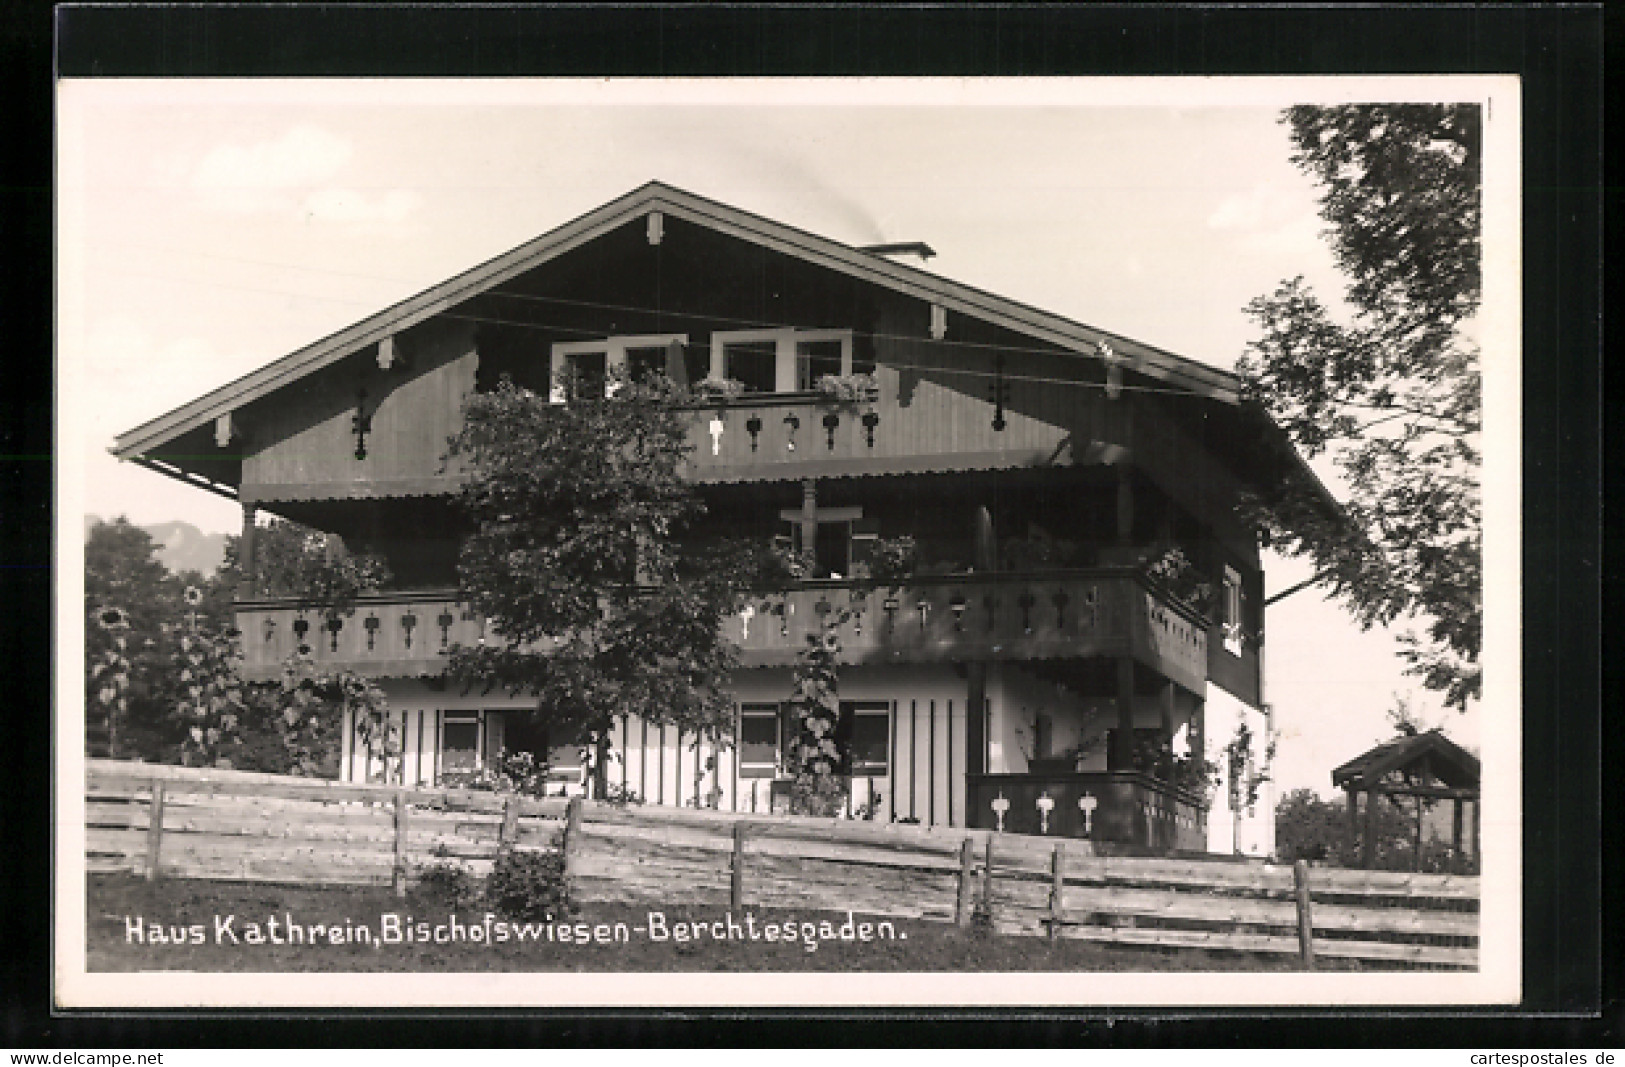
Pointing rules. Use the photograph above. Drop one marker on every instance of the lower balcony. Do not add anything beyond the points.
(1117, 807)
(1075, 614)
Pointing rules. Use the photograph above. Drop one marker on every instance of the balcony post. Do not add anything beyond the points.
(1166, 706)
(809, 524)
(1124, 756)
(1199, 731)
(247, 586)
(975, 718)
(1125, 505)
(986, 551)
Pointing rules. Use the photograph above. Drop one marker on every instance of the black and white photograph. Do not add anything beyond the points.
(748, 542)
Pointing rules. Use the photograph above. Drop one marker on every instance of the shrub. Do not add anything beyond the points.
(448, 885)
(528, 886)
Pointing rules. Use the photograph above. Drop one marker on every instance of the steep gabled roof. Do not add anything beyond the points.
(656, 196)
(1449, 762)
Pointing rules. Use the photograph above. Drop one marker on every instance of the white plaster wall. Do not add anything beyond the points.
(1018, 699)
(1257, 826)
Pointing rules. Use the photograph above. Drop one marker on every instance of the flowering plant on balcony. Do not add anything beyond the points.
(892, 561)
(1177, 576)
(1191, 772)
(719, 389)
(316, 568)
(1040, 552)
(846, 388)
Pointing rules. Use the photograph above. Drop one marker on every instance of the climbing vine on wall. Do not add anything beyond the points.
(818, 787)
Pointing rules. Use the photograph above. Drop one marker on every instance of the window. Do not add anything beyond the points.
(759, 740)
(592, 368)
(835, 539)
(460, 742)
(814, 359)
(1230, 611)
(585, 374)
(866, 726)
(753, 363)
(782, 361)
(646, 362)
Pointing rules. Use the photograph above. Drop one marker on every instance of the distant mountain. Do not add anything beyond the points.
(182, 546)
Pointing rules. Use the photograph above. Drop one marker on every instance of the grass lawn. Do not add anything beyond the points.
(216, 922)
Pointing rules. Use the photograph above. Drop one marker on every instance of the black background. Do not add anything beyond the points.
(1572, 947)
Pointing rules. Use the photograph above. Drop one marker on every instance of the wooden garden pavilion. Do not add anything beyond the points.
(1427, 765)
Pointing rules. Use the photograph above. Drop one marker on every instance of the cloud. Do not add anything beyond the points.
(294, 174)
(349, 205)
(261, 176)
(1242, 211)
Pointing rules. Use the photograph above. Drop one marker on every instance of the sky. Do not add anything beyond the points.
(207, 228)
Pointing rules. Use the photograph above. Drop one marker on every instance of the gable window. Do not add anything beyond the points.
(814, 359)
(783, 361)
(1230, 602)
(593, 368)
(759, 740)
(752, 363)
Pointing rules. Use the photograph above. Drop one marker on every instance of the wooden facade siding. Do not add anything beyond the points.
(674, 203)
(306, 437)
(942, 431)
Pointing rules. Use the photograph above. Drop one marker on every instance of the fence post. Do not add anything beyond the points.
(155, 829)
(572, 830)
(1306, 922)
(398, 875)
(510, 825)
(736, 870)
(987, 880)
(967, 871)
(1057, 880)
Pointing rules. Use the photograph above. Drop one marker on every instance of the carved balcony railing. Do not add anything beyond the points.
(1119, 807)
(796, 435)
(401, 634)
(1060, 615)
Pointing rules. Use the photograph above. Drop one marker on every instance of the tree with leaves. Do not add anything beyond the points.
(1309, 828)
(595, 607)
(1390, 389)
(163, 678)
(131, 600)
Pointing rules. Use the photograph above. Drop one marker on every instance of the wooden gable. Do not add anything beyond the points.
(974, 381)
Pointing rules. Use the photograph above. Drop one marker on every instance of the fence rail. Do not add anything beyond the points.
(181, 822)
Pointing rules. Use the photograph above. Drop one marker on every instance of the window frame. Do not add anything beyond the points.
(759, 709)
(1230, 610)
(851, 710)
(461, 717)
(614, 348)
(785, 341)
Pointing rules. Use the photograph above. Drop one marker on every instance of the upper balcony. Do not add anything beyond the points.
(1070, 614)
(922, 427)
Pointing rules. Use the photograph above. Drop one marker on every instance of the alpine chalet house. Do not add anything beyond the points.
(1043, 670)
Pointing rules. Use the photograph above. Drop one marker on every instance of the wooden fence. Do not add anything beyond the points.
(180, 822)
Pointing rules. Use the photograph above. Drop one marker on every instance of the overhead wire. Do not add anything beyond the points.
(662, 313)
